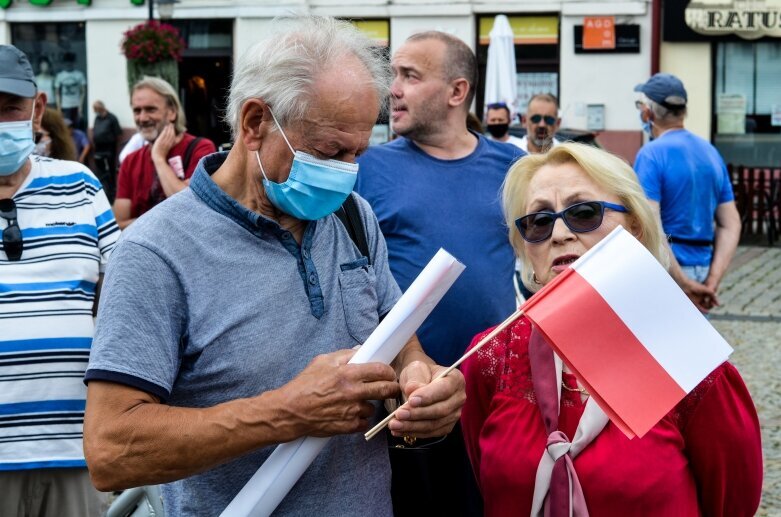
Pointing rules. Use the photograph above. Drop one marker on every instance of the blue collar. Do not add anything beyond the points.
(215, 198)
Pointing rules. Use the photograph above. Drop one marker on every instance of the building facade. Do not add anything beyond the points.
(728, 53)
(594, 84)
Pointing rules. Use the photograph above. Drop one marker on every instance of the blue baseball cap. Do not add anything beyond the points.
(664, 89)
(16, 74)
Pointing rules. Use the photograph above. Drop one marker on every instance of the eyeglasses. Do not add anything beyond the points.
(547, 118)
(639, 105)
(580, 218)
(12, 235)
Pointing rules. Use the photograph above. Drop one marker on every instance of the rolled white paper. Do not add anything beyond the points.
(283, 468)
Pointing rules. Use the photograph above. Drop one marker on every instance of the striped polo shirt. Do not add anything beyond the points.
(46, 324)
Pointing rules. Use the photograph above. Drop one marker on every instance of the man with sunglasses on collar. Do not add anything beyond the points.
(58, 232)
(541, 121)
(688, 185)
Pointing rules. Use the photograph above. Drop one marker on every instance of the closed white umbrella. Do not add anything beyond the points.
(500, 75)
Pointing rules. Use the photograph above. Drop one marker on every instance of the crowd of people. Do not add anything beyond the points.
(244, 280)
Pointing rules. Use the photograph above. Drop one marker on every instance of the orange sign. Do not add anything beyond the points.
(599, 32)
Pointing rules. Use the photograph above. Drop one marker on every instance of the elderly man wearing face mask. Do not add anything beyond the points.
(232, 308)
(689, 188)
(58, 232)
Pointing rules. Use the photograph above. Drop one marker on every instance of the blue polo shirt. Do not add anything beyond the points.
(205, 301)
(687, 177)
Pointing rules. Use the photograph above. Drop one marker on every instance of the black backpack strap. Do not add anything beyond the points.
(350, 216)
(188, 153)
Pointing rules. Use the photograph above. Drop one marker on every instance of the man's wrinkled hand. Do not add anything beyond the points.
(433, 407)
(332, 397)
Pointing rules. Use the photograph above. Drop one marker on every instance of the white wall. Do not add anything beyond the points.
(247, 31)
(106, 69)
(607, 79)
(5, 34)
(462, 26)
(691, 62)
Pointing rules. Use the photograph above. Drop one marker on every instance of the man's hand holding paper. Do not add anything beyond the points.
(433, 407)
(332, 397)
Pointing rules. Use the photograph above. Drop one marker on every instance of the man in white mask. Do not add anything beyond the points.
(57, 233)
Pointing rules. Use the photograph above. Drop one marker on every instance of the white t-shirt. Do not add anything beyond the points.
(46, 324)
(70, 85)
(46, 84)
(523, 143)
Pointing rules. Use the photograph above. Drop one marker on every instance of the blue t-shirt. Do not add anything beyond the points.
(687, 177)
(205, 301)
(423, 204)
(80, 140)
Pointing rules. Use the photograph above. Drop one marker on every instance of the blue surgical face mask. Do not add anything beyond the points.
(314, 188)
(16, 144)
(647, 126)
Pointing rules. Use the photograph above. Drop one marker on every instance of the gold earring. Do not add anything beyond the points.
(534, 278)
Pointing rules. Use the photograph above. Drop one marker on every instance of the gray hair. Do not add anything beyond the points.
(460, 61)
(283, 68)
(665, 114)
(164, 89)
(546, 97)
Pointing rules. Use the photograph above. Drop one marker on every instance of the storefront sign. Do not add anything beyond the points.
(731, 110)
(376, 30)
(599, 32)
(627, 40)
(747, 19)
(527, 30)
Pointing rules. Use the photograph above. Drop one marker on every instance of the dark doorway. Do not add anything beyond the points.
(203, 88)
(204, 76)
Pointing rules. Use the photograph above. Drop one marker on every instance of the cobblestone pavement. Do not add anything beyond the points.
(750, 320)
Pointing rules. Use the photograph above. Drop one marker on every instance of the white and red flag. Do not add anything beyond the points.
(628, 332)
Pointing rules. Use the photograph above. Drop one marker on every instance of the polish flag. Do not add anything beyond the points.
(627, 331)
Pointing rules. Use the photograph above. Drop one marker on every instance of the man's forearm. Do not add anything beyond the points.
(170, 183)
(412, 351)
(724, 246)
(152, 443)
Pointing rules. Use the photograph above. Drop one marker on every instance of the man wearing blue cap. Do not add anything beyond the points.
(688, 185)
(57, 234)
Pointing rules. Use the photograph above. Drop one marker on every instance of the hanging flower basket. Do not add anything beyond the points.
(153, 48)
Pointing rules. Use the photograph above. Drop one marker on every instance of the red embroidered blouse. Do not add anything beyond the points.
(703, 458)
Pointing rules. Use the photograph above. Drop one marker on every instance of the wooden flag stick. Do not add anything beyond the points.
(377, 428)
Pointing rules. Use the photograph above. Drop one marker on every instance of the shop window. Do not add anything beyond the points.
(57, 52)
(747, 102)
(204, 76)
(536, 41)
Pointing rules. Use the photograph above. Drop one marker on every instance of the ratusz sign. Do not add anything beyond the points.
(749, 19)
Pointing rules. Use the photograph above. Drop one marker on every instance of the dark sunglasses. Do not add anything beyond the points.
(548, 119)
(580, 218)
(12, 235)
